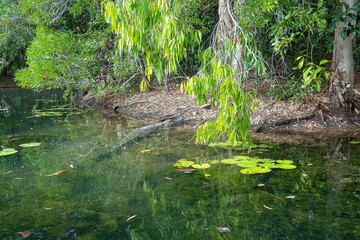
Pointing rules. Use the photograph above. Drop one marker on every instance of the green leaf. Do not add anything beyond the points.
(33, 144)
(255, 170)
(8, 151)
(324, 61)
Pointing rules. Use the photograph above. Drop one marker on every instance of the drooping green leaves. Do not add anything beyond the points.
(220, 82)
(153, 29)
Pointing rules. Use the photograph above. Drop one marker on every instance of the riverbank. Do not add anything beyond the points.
(7, 82)
(273, 119)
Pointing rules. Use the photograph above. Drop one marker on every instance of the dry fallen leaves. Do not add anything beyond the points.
(267, 207)
(25, 234)
(130, 218)
(186, 170)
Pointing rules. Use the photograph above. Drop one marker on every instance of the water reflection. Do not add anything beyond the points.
(137, 194)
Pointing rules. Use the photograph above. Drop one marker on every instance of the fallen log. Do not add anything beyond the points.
(137, 134)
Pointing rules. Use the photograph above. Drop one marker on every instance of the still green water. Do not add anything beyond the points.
(137, 194)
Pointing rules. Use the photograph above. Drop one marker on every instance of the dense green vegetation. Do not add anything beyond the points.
(226, 49)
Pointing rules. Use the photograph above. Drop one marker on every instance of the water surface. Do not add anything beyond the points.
(136, 193)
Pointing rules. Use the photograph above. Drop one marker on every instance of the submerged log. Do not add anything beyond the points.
(137, 134)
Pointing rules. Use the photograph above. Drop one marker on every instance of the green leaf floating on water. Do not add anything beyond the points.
(229, 161)
(255, 170)
(201, 166)
(183, 163)
(266, 160)
(247, 164)
(286, 166)
(287, 162)
(241, 157)
(33, 144)
(355, 142)
(269, 165)
(8, 151)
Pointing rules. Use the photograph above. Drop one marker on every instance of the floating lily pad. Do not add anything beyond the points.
(269, 165)
(241, 157)
(33, 144)
(183, 164)
(255, 170)
(266, 160)
(201, 166)
(229, 161)
(247, 164)
(8, 151)
(286, 166)
(284, 162)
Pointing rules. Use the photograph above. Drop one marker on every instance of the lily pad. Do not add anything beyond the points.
(201, 166)
(229, 161)
(8, 151)
(266, 160)
(286, 166)
(247, 164)
(33, 144)
(269, 165)
(183, 164)
(288, 162)
(255, 170)
(241, 157)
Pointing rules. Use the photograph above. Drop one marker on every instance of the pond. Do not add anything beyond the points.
(81, 183)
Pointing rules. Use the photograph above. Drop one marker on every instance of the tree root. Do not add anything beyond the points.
(268, 124)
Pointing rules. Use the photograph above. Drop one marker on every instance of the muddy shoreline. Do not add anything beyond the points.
(274, 120)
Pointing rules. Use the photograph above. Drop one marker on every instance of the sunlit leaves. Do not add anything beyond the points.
(154, 29)
(219, 82)
(8, 151)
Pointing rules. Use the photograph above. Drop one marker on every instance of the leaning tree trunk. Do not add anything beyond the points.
(342, 82)
(227, 30)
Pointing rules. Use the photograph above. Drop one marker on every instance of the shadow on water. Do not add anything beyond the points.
(136, 193)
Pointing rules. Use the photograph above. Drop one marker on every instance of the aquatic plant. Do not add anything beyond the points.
(8, 151)
(33, 144)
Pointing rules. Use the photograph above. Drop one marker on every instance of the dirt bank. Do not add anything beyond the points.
(273, 119)
(7, 82)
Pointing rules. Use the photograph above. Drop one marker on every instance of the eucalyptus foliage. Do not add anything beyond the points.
(154, 29)
(219, 83)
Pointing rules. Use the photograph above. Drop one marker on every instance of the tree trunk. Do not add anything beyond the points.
(146, 87)
(342, 83)
(227, 30)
